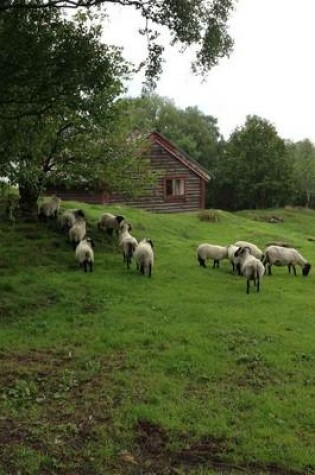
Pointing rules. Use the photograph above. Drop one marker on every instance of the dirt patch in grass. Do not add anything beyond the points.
(154, 455)
(56, 406)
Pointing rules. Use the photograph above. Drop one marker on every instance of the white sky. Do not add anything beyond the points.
(271, 72)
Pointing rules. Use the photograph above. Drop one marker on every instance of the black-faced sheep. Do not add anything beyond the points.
(251, 267)
(235, 261)
(285, 256)
(49, 209)
(144, 257)
(69, 217)
(256, 252)
(127, 243)
(110, 223)
(85, 255)
(77, 232)
(211, 251)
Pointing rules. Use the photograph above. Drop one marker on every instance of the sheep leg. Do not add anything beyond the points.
(150, 270)
(247, 286)
(216, 264)
(91, 266)
(238, 268)
(85, 266)
(258, 282)
(289, 268)
(294, 270)
(142, 269)
(268, 266)
(202, 262)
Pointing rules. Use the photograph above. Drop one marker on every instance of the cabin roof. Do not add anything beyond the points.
(180, 155)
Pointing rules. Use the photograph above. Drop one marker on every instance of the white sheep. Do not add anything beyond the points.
(128, 244)
(235, 261)
(251, 267)
(256, 252)
(85, 255)
(285, 256)
(49, 209)
(77, 232)
(144, 257)
(69, 217)
(110, 223)
(211, 251)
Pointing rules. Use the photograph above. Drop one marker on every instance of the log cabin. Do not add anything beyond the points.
(180, 186)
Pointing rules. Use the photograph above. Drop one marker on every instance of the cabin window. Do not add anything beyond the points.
(174, 188)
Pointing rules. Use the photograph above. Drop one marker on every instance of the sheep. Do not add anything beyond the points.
(251, 267)
(285, 256)
(69, 217)
(49, 209)
(211, 251)
(144, 257)
(256, 252)
(77, 232)
(85, 255)
(127, 243)
(109, 223)
(235, 261)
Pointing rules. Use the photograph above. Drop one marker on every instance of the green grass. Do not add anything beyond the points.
(113, 373)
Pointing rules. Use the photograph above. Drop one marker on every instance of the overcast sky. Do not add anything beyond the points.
(271, 72)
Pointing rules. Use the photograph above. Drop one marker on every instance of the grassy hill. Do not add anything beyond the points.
(114, 373)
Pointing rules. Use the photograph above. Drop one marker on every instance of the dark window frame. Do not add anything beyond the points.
(170, 197)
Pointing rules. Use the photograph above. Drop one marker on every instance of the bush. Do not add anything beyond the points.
(209, 215)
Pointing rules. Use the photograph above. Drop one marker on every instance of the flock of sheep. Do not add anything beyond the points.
(73, 223)
(247, 259)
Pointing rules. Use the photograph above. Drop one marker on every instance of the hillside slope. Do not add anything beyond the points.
(110, 372)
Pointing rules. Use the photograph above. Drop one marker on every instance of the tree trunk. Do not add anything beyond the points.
(28, 201)
(308, 199)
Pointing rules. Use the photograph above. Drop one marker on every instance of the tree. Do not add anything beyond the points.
(255, 171)
(59, 118)
(303, 156)
(198, 23)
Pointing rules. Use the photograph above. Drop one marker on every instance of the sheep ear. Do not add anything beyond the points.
(150, 242)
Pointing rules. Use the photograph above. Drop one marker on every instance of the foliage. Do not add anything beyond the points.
(255, 171)
(183, 371)
(59, 120)
(197, 23)
(303, 157)
(194, 132)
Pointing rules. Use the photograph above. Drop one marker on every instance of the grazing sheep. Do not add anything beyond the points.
(285, 256)
(85, 255)
(144, 257)
(251, 267)
(69, 217)
(211, 251)
(256, 252)
(128, 244)
(49, 209)
(110, 223)
(77, 232)
(235, 261)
